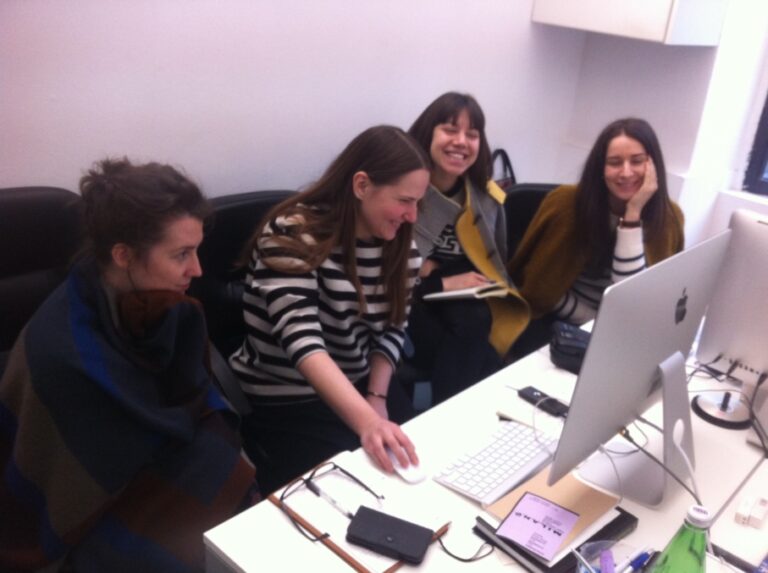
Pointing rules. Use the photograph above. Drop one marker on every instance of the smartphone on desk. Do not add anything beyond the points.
(389, 535)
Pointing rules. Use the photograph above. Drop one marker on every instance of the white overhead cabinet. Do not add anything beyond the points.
(678, 22)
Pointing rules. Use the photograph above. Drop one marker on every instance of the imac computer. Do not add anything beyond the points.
(643, 332)
(734, 338)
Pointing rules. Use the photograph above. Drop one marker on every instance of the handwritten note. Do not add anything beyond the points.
(538, 525)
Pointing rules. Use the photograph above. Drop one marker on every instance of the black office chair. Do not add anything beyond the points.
(523, 200)
(41, 230)
(220, 289)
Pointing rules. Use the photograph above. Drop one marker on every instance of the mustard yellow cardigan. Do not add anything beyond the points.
(485, 246)
(548, 261)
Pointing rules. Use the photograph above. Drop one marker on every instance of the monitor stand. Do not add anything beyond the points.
(641, 479)
(726, 408)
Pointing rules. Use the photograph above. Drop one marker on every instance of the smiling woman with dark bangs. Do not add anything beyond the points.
(462, 237)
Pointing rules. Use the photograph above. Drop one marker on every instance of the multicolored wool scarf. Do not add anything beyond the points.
(116, 452)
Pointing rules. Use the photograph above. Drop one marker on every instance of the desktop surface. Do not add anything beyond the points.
(262, 538)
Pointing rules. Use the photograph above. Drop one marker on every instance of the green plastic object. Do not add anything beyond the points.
(687, 551)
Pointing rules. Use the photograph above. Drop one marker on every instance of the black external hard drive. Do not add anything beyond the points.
(389, 535)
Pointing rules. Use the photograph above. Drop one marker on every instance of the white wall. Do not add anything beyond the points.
(257, 94)
(727, 126)
(248, 94)
(726, 203)
(623, 77)
(703, 102)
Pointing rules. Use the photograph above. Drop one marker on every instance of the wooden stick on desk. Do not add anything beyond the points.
(326, 540)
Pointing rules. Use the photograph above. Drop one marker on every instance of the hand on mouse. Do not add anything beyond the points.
(381, 434)
(411, 474)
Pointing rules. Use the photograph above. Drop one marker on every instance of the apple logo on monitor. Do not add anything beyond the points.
(681, 309)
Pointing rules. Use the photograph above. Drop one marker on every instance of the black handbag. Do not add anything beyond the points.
(507, 178)
(568, 346)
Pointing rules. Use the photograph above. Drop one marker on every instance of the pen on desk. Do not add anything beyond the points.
(650, 561)
(638, 563)
(442, 531)
(503, 417)
(629, 565)
(314, 488)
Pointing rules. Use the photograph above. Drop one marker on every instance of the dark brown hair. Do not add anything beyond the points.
(446, 109)
(327, 211)
(133, 204)
(595, 235)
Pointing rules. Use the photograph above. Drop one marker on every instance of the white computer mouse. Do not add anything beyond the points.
(411, 474)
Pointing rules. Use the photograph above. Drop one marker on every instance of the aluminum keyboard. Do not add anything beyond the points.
(511, 454)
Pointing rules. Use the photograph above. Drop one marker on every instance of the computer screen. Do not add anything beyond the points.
(734, 338)
(645, 322)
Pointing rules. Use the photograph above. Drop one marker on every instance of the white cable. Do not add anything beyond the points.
(606, 453)
(536, 432)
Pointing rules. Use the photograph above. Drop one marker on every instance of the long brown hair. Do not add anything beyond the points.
(595, 235)
(327, 212)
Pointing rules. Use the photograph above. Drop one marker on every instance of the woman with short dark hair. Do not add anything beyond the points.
(117, 451)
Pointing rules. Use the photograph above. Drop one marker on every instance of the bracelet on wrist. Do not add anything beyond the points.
(623, 224)
(377, 395)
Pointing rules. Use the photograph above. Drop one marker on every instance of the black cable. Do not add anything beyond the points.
(757, 425)
(711, 372)
(639, 429)
(476, 557)
(708, 371)
(625, 434)
(734, 366)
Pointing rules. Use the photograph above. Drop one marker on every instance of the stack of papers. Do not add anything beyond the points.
(542, 523)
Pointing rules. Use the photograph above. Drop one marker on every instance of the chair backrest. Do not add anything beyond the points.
(41, 231)
(523, 200)
(220, 289)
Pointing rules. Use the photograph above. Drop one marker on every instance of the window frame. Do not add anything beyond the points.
(758, 157)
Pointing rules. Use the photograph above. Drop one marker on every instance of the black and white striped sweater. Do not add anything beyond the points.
(291, 316)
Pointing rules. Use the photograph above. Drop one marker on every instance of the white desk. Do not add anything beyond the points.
(263, 539)
(746, 542)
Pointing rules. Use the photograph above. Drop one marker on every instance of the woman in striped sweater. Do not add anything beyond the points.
(617, 220)
(325, 305)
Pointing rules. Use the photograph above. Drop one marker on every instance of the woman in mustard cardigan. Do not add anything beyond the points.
(461, 235)
(615, 222)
